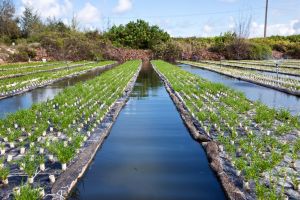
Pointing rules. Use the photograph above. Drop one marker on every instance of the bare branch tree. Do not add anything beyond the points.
(243, 26)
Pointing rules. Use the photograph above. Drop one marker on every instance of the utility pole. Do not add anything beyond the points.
(266, 18)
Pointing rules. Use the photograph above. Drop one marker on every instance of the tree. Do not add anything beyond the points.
(54, 25)
(74, 23)
(8, 24)
(242, 31)
(137, 35)
(30, 22)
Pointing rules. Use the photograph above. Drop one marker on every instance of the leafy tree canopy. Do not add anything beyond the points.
(8, 24)
(137, 35)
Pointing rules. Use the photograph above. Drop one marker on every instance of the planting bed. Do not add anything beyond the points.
(295, 71)
(287, 85)
(11, 73)
(292, 64)
(49, 141)
(255, 150)
(14, 66)
(14, 86)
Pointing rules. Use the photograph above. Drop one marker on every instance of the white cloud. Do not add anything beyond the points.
(293, 27)
(297, 27)
(49, 8)
(123, 6)
(207, 29)
(89, 14)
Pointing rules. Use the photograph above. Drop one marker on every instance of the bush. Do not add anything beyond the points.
(81, 49)
(24, 53)
(170, 51)
(53, 45)
(238, 49)
(294, 51)
(5, 40)
(259, 52)
(280, 47)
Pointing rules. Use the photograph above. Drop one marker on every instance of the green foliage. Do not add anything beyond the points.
(283, 129)
(29, 163)
(137, 35)
(169, 51)
(219, 43)
(264, 115)
(4, 172)
(229, 46)
(259, 51)
(294, 51)
(9, 29)
(30, 22)
(64, 42)
(27, 192)
(24, 53)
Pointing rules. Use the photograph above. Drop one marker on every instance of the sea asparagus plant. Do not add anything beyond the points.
(253, 136)
(56, 130)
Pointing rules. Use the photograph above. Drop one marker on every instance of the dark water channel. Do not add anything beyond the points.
(149, 153)
(270, 97)
(25, 101)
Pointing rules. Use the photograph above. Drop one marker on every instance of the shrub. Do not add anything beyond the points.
(54, 45)
(169, 51)
(294, 51)
(280, 47)
(238, 49)
(24, 53)
(259, 51)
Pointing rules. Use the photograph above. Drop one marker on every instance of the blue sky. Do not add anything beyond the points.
(179, 17)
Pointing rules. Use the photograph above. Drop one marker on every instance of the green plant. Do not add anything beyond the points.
(30, 164)
(283, 129)
(63, 154)
(40, 159)
(283, 115)
(240, 164)
(295, 181)
(4, 172)
(27, 192)
(264, 114)
(250, 173)
(259, 51)
(260, 191)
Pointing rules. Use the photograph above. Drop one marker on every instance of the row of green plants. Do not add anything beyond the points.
(268, 63)
(249, 66)
(17, 84)
(288, 83)
(262, 144)
(56, 131)
(42, 68)
(13, 66)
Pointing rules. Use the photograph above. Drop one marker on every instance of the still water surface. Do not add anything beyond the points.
(25, 100)
(270, 97)
(149, 153)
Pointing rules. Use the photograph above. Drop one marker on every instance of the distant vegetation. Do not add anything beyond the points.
(229, 46)
(36, 39)
(137, 35)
